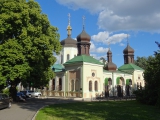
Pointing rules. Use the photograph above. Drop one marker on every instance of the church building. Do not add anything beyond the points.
(80, 75)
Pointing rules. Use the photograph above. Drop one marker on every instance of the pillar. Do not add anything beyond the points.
(50, 84)
(56, 83)
(63, 85)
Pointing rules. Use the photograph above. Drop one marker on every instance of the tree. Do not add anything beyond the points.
(142, 61)
(103, 61)
(27, 43)
(151, 93)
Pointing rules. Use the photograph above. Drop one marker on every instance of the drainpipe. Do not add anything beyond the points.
(113, 83)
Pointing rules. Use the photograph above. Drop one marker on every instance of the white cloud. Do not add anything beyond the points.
(92, 47)
(74, 38)
(107, 38)
(122, 44)
(117, 15)
(95, 49)
(101, 36)
(95, 56)
(86, 4)
(101, 50)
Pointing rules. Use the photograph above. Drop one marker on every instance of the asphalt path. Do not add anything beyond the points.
(27, 110)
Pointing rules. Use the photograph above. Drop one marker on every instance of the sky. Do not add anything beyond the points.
(109, 22)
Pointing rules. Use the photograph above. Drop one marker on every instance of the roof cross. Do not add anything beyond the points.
(127, 39)
(83, 21)
(69, 18)
(109, 44)
(69, 29)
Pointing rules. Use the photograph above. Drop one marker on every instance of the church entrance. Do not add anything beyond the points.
(108, 83)
(119, 91)
(127, 90)
(128, 87)
(120, 86)
(106, 91)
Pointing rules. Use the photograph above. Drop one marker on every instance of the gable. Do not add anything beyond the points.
(83, 58)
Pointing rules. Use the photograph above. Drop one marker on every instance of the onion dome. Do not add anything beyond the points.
(83, 37)
(109, 52)
(128, 49)
(69, 42)
(111, 66)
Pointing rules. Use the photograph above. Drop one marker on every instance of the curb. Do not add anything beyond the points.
(37, 112)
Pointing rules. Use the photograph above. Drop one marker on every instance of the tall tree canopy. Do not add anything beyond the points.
(142, 61)
(151, 93)
(27, 43)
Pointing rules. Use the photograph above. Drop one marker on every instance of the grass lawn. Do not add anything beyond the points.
(107, 110)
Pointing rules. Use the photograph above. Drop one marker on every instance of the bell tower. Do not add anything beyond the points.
(83, 42)
(69, 45)
(128, 54)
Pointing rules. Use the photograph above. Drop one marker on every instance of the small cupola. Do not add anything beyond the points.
(110, 65)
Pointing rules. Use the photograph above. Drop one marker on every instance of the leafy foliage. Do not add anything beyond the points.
(151, 93)
(142, 61)
(27, 43)
(6, 91)
(103, 61)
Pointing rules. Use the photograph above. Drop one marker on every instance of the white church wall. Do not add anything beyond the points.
(68, 50)
(138, 78)
(88, 70)
(107, 74)
(73, 67)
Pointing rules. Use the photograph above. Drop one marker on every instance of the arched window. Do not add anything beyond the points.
(140, 85)
(96, 86)
(77, 85)
(109, 81)
(53, 84)
(125, 60)
(60, 84)
(130, 82)
(68, 57)
(90, 85)
(122, 81)
(137, 85)
(72, 85)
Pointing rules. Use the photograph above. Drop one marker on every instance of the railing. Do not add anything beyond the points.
(99, 97)
(61, 93)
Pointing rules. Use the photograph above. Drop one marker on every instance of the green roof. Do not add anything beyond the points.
(83, 58)
(58, 67)
(129, 67)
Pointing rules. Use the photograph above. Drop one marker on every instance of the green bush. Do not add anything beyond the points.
(6, 91)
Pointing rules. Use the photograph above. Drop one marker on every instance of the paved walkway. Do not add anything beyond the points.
(27, 110)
